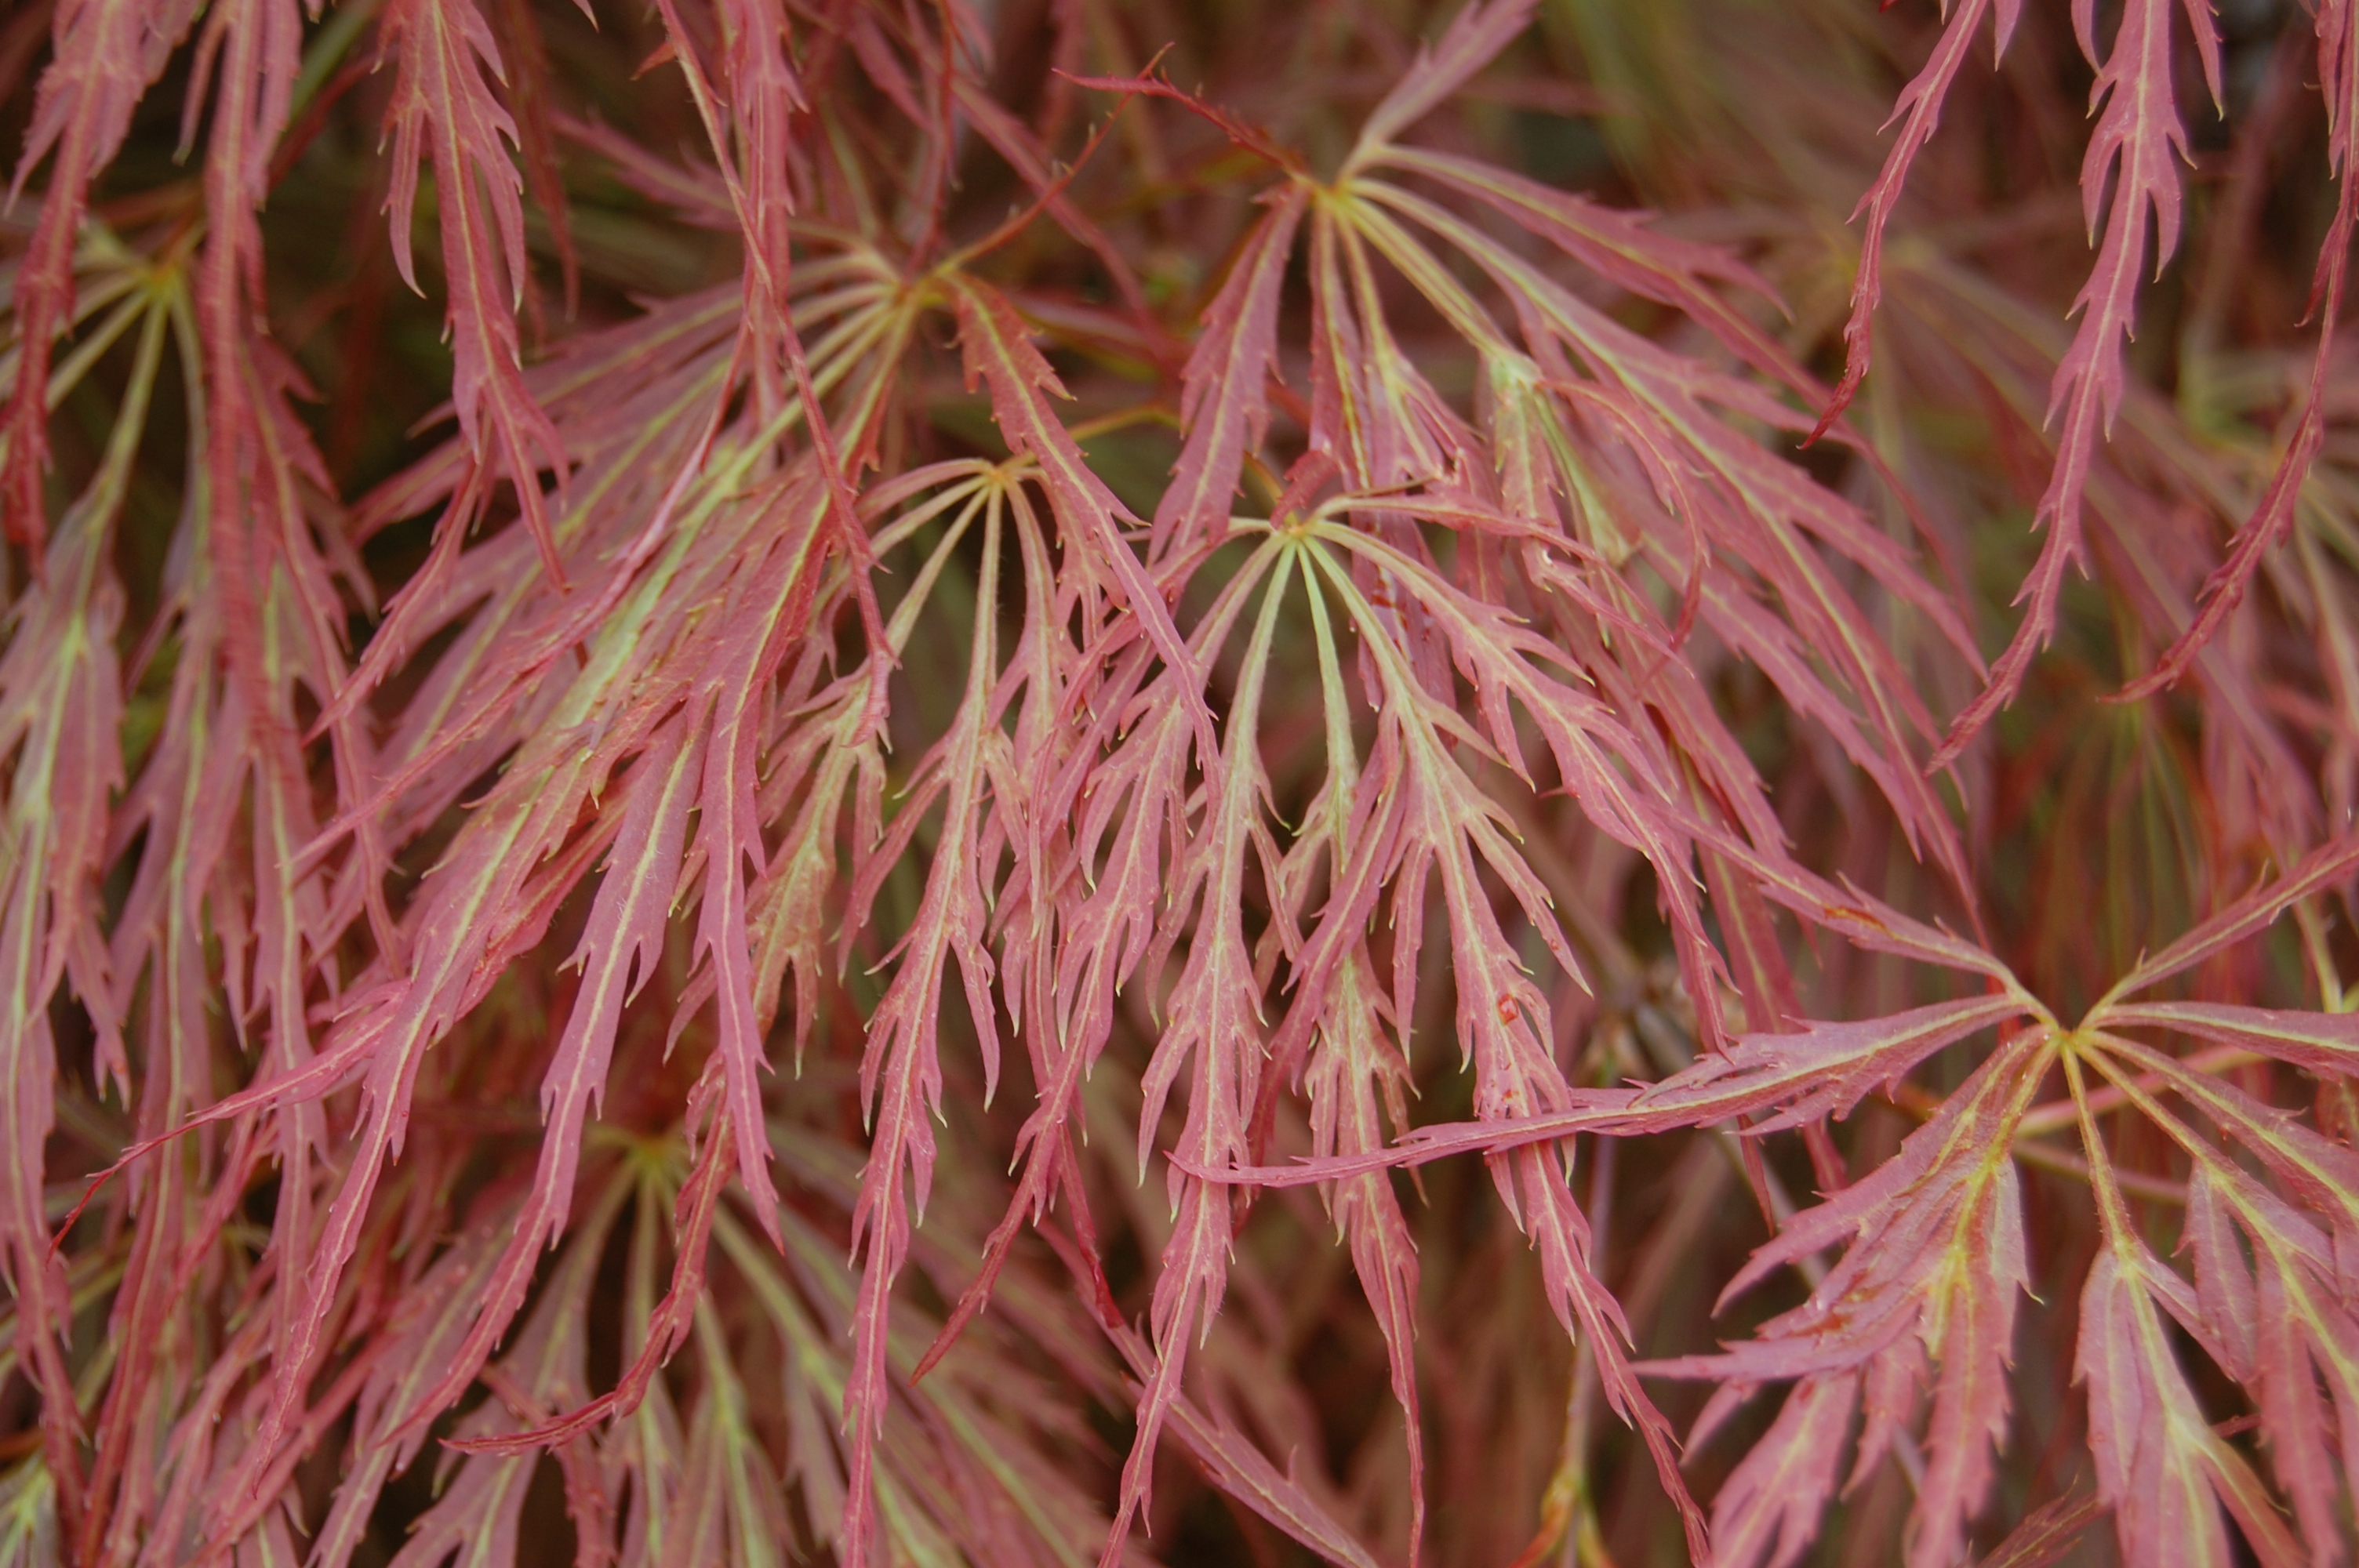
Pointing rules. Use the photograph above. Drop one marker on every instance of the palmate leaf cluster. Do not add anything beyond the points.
(888, 782)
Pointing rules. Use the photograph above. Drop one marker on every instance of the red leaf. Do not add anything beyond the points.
(617, 952)
(2048, 1533)
(2160, 1464)
(104, 54)
(900, 1070)
(1474, 38)
(1933, 1258)
(1767, 1509)
(1920, 104)
(998, 354)
(442, 105)
(1225, 405)
(2134, 154)
(674, 1317)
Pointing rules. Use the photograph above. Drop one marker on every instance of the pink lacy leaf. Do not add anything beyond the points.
(443, 108)
(104, 55)
(1920, 104)
(1223, 404)
(1934, 1256)
(1474, 38)
(2130, 177)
